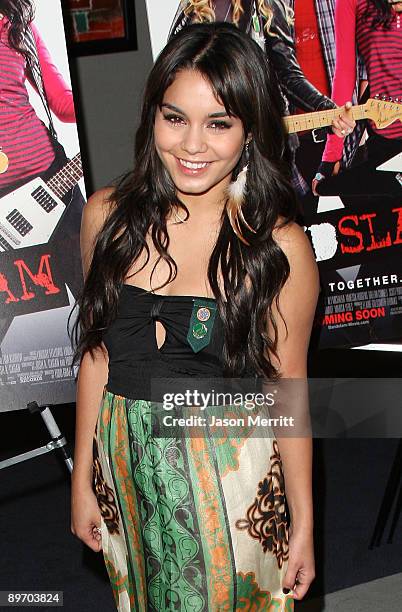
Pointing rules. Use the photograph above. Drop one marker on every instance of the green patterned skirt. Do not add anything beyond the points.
(189, 524)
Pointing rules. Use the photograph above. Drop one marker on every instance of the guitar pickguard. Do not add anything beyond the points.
(29, 215)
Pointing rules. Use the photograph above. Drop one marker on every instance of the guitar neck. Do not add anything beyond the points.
(66, 178)
(319, 119)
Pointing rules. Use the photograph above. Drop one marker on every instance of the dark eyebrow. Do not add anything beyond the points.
(180, 112)
(217, 115)
(173, 108)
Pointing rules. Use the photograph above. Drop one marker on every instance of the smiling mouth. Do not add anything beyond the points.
(192, 165)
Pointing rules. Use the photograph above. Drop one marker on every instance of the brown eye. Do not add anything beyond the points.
(173, 119)
(220, 125)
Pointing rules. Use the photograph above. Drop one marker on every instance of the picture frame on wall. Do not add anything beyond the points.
(100, 26)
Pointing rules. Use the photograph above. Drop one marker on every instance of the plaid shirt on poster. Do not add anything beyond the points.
(325, 10)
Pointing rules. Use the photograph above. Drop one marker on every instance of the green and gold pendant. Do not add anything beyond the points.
(201, 324)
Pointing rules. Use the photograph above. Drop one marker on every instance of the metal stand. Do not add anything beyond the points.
(57, 443)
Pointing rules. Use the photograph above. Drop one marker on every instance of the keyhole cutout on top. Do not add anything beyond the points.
(160, 334)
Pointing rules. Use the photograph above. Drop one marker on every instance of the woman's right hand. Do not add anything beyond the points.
(344, 124)
(85, 516)
(301, 565)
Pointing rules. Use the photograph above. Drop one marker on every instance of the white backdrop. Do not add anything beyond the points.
(160, 17)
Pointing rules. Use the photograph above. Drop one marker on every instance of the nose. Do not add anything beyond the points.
(194, 141)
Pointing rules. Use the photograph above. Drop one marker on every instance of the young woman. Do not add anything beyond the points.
(195, 269)
(27, 148)
(374, 27)
(270, 22)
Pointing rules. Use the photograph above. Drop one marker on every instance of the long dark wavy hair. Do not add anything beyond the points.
(20, 13)
(243, 80)
(383, 16)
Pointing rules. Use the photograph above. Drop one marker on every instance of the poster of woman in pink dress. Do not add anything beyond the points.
(41, 199)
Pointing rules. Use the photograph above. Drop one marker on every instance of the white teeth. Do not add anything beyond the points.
(193, 165)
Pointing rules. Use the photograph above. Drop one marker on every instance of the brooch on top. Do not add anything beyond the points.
(201, 324)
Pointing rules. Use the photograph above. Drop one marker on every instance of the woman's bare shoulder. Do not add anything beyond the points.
(303, 284)
(94, 215)
(293, 241)
(291, 238)
(97, 208)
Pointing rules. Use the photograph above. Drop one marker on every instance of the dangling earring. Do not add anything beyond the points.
(236, 192)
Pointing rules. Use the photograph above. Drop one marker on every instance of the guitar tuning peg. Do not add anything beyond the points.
(384, 98)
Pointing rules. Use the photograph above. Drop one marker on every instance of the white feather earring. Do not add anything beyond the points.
(236, 192)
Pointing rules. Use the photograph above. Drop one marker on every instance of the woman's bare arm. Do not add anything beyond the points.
(92, 377)
(93, 371)
(297, 303)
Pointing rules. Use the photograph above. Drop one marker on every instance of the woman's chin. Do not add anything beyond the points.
(194, 187)
(200, 187)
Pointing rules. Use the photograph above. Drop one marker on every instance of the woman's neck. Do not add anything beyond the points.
(207, 206)
(199, 214)
(202, 211)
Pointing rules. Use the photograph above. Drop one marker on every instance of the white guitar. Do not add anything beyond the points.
(30, 214)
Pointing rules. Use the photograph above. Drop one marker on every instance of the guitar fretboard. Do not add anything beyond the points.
(67, 177)
(319, 119)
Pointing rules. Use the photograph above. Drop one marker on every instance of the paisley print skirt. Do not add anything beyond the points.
(189, 524)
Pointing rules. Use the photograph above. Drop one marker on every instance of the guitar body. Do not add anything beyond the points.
(29, 215)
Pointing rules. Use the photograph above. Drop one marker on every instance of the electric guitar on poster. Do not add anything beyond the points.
(382, 112)
(30, 214)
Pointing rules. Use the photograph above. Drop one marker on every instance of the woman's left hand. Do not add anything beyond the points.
(344, 123)
(331, 169)
(301, 567)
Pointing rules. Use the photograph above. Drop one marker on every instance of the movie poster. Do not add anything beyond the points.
(42, 196)
(357, 245)
(354, 221)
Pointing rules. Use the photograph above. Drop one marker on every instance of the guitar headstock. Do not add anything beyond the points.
(383, 111)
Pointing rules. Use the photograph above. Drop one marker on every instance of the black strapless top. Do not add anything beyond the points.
(192, 348)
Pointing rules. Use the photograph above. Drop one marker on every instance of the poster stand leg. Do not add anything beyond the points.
(57, 443)
(392, 492)
(397, 514)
